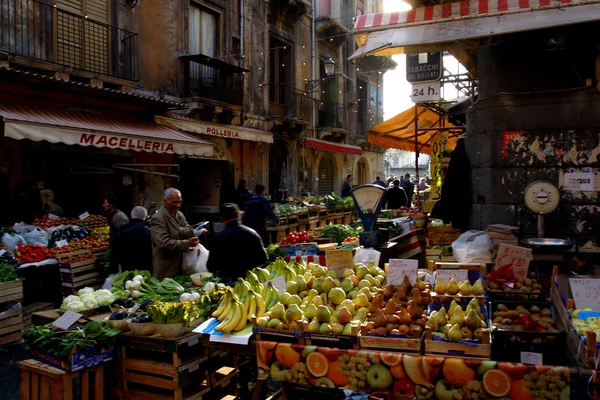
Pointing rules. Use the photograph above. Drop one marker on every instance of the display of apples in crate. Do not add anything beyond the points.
(454, 323)
(453, 287)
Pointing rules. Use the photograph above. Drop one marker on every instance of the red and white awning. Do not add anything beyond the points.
(324, 145)
(425, 28)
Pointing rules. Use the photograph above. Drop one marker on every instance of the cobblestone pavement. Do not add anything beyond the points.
(9, 372)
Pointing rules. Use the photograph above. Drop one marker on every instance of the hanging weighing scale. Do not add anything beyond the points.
(369, 201)
(543, 197)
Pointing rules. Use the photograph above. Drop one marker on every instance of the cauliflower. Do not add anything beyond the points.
(104, 297)
(68, 300)
(85, 290)
(76, 306)
(90, 303)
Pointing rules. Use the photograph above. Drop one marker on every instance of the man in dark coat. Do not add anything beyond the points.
(236, 249)
(242, 195)
(379, 182)
(409, 188)
(347, 187)
(134, 242)
(257, 210)
(396, 197)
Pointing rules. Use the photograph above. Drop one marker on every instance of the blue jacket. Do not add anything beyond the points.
(257, 209)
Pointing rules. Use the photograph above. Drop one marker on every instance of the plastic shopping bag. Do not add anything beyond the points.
(473, 247)
(37, 236)
(195, 260)
(365, 256)
(10, 242)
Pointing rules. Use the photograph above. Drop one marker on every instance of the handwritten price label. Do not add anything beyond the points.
(339, 260)
(518, 257)
(586, 292)
(460, 275)
(397, 268)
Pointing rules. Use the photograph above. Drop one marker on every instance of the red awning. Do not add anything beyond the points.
(333, 147)
(93, 128)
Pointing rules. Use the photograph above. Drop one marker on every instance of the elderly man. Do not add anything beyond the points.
(171, 236)
(134, 243)
(249, 249)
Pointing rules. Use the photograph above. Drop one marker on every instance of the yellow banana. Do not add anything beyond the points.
(236, 318)
(244, 294)
(268, 293)
(260, 305)
(222, 304)
(227, 318)
(243, 320)
(227, 309)
(252, 309)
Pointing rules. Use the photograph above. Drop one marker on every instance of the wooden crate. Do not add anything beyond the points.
(278, 335)
(303, 217)
(11, 291)
(174, 350)
(78, 275)
(41, 381)
(11, 325)
(29, 309)
(331, 339)
(457, 349)
(394, 343)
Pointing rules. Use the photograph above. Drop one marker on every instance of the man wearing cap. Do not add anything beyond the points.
(236, 249)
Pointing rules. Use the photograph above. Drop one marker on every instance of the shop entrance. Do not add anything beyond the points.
(278, 154)
(326, 175)
(361, 172)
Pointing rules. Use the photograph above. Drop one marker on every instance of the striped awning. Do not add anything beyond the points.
(440, 27)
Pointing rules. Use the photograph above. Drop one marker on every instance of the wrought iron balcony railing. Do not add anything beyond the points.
(213, 84)
(287, 101)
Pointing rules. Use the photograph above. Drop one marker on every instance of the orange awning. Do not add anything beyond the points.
(399, 132)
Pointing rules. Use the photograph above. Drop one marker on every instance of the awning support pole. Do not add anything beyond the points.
(417, 146)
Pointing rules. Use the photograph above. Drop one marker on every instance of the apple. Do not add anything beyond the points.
(379, 377)
(404, 387)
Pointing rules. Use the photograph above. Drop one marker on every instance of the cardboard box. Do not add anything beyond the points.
(300, 249)
(78, 360)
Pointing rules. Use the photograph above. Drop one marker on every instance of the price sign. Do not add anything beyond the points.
(339, 260)
(531, 358)
(67, 320)
(61, 243)
(397, 268)
(84, 215)
(460, 275)
(52, 216)
(518, 257)
(586, 292)
(278, 282)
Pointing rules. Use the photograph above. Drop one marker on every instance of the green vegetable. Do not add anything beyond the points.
(183, 280)
(8, 273)
(173, 313)
(120, 279)
(446, 250)
(395, 230)
(337, 233)
(273, 251)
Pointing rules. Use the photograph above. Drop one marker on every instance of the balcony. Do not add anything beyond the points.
(212, 83)
(332, 115)
(334, 20)
(290, 103)
(32, 30)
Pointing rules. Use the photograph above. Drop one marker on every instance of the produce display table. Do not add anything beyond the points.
(47, 317)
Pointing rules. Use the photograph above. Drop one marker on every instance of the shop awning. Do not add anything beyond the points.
(187, 124)
(333, 147)
(92, 128)
(399, 132)
(450, 26)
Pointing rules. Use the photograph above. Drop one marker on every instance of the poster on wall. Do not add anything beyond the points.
(507, 138)
(580, 180)
(373, 97)
(380, 101)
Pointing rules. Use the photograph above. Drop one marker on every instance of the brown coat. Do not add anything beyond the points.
(170, 238)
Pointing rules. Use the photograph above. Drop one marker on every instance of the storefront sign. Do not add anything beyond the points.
(216, 155)
(423, 67)
(518, 257)
(121, 142)
(586, 293)
(398, 268)
(507, 137)
(581, 181)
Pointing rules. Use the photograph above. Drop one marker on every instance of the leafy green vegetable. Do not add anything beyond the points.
(183, 280)
(273, 251)
(8, 273)
(173, 313)
(337, 233)
(120, 279)
(446, 250)
(395, 230)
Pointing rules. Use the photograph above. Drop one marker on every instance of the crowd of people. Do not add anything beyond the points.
(399, 192)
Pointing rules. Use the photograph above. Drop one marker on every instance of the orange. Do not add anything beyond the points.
(336, 374)
(317, 364)
(398, 371)
(391, 359)
(496, 383)
(286, 355)
(519, 391)
(457, 372)
(331, 353)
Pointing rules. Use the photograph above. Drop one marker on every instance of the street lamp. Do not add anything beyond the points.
(329, 71)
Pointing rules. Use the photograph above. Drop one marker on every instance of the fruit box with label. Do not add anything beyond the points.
(404, 343)
(77, 360)
(300, 249)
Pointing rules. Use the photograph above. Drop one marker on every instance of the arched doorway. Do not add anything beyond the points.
(326, 175)
(278, 155)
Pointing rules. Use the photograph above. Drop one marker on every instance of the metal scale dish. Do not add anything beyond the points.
(369, 200)
(543, 197)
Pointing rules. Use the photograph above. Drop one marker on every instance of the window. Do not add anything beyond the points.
(280, 71)
(202, 40)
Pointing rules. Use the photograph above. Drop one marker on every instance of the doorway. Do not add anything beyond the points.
(362, 172)
(278, 156)
(326, 174)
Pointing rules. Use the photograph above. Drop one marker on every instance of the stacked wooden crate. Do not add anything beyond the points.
(11, 313)
(79, 274)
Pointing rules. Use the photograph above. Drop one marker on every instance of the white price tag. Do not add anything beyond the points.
(66, 320)
(531, 358)
(278, 282)
(586, 292)
(84, 215)
(397, 268)
(52, 216)
(61, 243)
(2, 252)
(460, 275)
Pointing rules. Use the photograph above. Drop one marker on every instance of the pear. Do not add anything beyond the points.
(477, 289)
(458, 318)
(338, 328)
(301, 283)
(347, 329)
(311, 311)
(440, 286)
(444, 329)
(317, 301)
(454, 333)
(349, 305)
(433, 324)
(293, 313)
(465, 288)
(284, 297)
(361, 300)
(472, 320)
(323, 314)
(343, 315)
(278, 311)
(452, 307)
(452, 287)
(325, 328)
(328, 284)
(442, 317)
(314, 326)
(311, 294)
(474, 305)
(347, 285)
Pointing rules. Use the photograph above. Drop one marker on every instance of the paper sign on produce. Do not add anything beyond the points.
(397, 268)
(518, 257)
(66, 320)
(586, 292)
(339, 260)
(278, 282)
(460, 275)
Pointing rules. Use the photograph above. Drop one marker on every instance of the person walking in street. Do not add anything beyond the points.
(423, 184)
(391, 179)
(347, 186)
(379, 182)
(249, 249)
(409, 188)
(257, 209)
(242, 195)
(171, 236)
(117, 219)
(134, 242)
(396, 197)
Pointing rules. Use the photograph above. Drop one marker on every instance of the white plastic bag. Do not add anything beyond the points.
(195, 260)
(365, 256)
(22, 228)
(10, 242)
(37, 236)
(473, 247)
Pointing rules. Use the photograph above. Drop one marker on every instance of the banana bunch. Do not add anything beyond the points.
(255, 305)
(235, 319)
(271, 296)
(254, 282)
(241, 289)
(289, 274)
(263, 274)
(276, 268)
